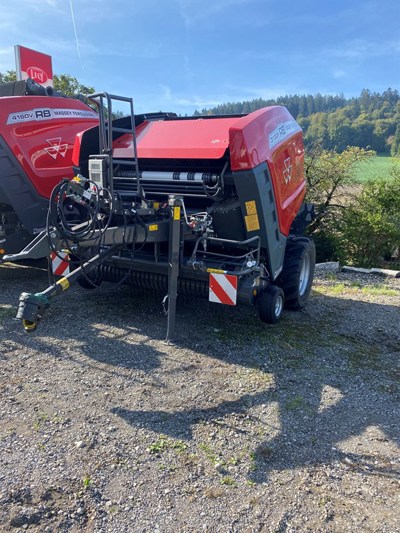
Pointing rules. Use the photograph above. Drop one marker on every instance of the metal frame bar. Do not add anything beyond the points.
(106, 130)
(233, 258)
(175, 204)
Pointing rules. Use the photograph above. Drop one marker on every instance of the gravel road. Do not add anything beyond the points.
(238, 427)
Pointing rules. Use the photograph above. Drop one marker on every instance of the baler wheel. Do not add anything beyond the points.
(271, 304)
(298, 272)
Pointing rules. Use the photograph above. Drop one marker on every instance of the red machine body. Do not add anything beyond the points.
(41, 132)
(204, 206)
(269, 135)
(37, 135)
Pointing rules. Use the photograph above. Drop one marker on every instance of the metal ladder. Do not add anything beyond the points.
(107, 133)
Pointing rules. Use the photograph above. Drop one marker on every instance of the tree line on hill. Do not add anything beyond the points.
(370, 121)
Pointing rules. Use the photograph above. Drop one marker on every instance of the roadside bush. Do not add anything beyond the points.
(356, 224)
(328, 246)
(370, 227)
(331, 187)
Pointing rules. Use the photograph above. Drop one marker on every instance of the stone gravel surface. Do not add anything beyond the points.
(237, 427)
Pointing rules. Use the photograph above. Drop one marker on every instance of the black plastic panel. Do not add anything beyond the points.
(255, 186)
(17, 191)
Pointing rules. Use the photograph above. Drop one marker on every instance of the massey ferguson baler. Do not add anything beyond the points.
(208, 206)
(37, 134)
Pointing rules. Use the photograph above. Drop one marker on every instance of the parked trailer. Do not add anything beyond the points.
(210, 206)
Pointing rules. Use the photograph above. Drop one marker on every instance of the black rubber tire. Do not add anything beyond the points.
(271, 304)
(298, 272)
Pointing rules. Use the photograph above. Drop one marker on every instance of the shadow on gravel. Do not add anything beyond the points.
(89, 323)
(336, 343)
(179, 424)
(307, 353)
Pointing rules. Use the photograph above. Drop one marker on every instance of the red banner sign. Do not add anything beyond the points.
(35, 65)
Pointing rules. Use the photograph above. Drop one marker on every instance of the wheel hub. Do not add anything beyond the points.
(304, 274)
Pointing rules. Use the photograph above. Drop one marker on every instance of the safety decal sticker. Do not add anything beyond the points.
(48, 114)
(251, 219)
(177, 213)
(283, 130)
(223, 289)
(251, 208)
(252, 222)
(60, 263)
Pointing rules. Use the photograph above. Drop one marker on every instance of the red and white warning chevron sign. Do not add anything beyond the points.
(60, 263)
(223, 289)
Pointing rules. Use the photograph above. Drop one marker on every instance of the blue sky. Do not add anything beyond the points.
(182, 55)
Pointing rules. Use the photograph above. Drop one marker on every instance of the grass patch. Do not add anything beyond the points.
(379, 291)
(227, 480)
(86, 482)
(357, 288)
(41, 419)
(163, 444)
(209, 453)
(376, 167)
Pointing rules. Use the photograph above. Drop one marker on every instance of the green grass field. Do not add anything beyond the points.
(377, 167)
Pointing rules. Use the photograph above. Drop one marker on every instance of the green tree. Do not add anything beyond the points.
(368, 121)
(395, 149)
(8, 76)
(317, 132)
(330, 179)
(64, 83)
(70, 86)
(328, 173)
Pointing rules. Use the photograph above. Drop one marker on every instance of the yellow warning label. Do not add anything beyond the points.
(252, 223)
(156, 205)
(177, 213)
(64, 283)
(251, 208)
(153, 227)
(215, 271)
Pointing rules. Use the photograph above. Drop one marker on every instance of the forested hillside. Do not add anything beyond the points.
(371, 120)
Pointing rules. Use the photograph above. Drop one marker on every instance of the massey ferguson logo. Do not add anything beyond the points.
(56, 148)
(37, 74)
(287, 171)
